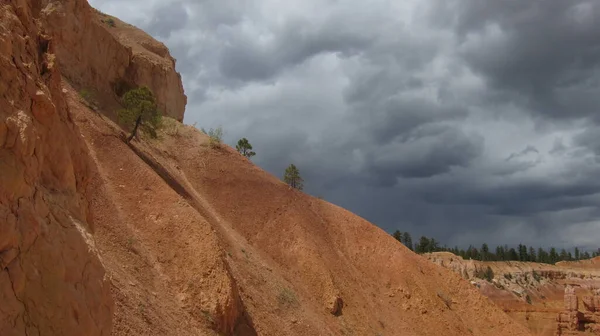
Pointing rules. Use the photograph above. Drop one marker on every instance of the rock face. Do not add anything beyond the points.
(102, 53)
(51, 279)
(592, 302)
(571, 321)
(571, 301)
(526, 290)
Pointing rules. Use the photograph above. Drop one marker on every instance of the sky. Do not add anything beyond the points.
(469, 121)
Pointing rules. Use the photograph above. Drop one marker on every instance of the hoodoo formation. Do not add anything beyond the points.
(550, 300)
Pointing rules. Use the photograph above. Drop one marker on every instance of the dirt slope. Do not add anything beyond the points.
(170, 236)
(236, 248)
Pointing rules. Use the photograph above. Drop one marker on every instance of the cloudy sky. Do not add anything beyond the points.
(468, 120)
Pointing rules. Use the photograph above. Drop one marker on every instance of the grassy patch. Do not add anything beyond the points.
(88, 98)
(170, 126)
(287, 297)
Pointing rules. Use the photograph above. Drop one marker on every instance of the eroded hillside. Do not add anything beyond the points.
(172, 236)
(561, 299)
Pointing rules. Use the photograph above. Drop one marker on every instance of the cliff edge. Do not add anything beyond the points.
(101, 53)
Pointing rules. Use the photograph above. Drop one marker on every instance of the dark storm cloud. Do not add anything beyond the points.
(543, 52)
(589, 139)
(466, 120)
(427, 151)
(298, 41)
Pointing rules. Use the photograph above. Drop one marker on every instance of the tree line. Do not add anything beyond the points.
(500, 253)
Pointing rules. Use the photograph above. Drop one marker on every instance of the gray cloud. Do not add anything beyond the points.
(173, 17)
(544, 53)
(465, 120)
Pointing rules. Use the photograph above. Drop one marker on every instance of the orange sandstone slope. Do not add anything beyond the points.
(170, 236)
(202, 237)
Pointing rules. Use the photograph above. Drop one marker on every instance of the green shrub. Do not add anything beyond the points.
(88, 97)
(140, 111)
(110, 21)
(487, 274)
(215, 136)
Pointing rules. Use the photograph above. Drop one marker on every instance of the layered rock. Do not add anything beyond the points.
(52, 281)
(527, 290)
(592, 302)
(571, 321)
(571, 301)
(109, 56)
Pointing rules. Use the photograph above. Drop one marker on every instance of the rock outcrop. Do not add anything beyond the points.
(569, 320)
(103, 54)
(527, 290)
(572, 321)
(592, 302)
(52, 281)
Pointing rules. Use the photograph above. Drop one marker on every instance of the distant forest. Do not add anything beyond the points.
(501, 253)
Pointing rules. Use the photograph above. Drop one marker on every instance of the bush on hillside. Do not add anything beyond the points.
(215, 136)
(140, 112)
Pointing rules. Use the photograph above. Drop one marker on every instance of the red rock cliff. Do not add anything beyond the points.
(52, 281)
(106, 54)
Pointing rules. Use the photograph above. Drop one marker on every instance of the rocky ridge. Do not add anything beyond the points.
(544, 297)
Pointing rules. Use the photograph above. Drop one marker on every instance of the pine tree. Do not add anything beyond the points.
(542, 256)
(577, 256)
(423, 245)
(433, 245)
(292, 177)
(500, 253)
(553, 256)
(140, 111)
(563, 255)
(484, 252)
(398, 235)
(532, 255)
(512, 254)
(407, 239)
(245, 148)
(523, 252)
